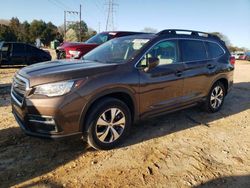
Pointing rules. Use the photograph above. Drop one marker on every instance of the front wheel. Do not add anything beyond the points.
(215, 98)
(108, 123)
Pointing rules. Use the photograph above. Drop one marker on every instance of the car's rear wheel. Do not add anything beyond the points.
(215, 98)
(108, 124)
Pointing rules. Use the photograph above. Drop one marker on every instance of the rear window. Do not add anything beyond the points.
(32, 49)
(214, 50)
(193, 50)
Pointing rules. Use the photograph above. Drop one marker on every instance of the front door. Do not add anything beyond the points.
(161, 87)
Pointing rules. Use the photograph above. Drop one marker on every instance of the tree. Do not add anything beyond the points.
(149, 30)
(25, 32)
(49, 33)
(223, 37)
(37, 28)
(6, 34)
(15, 26)
(71, 35)
(84, 29)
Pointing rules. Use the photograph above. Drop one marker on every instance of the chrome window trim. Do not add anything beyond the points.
(26, 81)
(203, 40)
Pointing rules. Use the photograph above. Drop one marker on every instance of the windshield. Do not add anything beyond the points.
(98, 39)
(118, 50)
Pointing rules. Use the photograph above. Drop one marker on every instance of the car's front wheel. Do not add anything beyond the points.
(108, 123)
(215, 98)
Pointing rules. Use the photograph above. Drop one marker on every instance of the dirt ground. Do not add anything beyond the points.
(190, 148)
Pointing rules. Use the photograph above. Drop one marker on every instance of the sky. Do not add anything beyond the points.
(230, 17)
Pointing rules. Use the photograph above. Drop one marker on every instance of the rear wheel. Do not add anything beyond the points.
(215, 98)
(108, 124)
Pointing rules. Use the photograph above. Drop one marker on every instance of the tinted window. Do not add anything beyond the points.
(193, 50)
(6, 47)
(165, 51)
(18, 48)
(214, 50)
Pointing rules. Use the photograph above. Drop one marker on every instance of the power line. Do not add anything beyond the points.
(61, 3)
(55, 4)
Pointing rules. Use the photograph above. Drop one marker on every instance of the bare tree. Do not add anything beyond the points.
(149, 30)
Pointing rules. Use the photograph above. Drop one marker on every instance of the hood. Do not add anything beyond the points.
(54, 71)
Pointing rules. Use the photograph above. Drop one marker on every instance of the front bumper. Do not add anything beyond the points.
(41, 135)
(49, 117)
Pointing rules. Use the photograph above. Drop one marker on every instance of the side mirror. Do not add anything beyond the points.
(152, 62)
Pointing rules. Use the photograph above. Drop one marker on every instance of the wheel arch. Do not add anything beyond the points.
(121, 94)
(224, 81)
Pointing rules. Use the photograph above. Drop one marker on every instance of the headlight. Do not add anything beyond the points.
(74, 53)
(54, 89)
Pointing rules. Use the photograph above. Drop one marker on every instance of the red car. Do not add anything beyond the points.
(77, 49)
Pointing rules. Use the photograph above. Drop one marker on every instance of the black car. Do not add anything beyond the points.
(120, 82)
(16, 53)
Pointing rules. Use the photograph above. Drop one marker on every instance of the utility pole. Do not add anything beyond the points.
(80, 30)
(110, 17)
(65, 25)
(66, 21)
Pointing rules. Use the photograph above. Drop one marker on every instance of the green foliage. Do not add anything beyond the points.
(76, 27)
(29, 32)
(6, 33)
(230, 47)
(46, 32)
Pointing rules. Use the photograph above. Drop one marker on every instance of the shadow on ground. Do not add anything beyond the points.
(34, 157)
(12, 66)
(23, 158)
(236, 101)
(227, 182)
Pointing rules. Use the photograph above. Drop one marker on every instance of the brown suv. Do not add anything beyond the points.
(120, 82)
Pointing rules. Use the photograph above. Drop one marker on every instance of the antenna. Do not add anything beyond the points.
(110, 17)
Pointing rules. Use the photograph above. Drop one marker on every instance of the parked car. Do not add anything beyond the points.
(77, 49)
(248, 56)
(238, 55)
(245, 56)
(120, 82)
(17, 53)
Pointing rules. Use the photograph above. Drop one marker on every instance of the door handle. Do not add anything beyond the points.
(178, 73)
(210, 66)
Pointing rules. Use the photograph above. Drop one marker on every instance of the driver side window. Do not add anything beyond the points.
(165, 51)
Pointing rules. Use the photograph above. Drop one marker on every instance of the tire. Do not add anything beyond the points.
(108, 124)
(215, 98)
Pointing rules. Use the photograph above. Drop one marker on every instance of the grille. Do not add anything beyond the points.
(18, 89)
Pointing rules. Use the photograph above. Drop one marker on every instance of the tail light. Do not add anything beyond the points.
(232, 60)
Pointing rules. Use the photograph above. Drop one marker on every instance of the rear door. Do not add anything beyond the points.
(18, 54)
(198, 69)
(33, 55)
(161, 87)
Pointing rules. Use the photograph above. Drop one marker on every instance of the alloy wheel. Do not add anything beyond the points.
(110, 125)
(216, 97)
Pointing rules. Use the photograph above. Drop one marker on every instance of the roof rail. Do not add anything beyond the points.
(186, 32)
